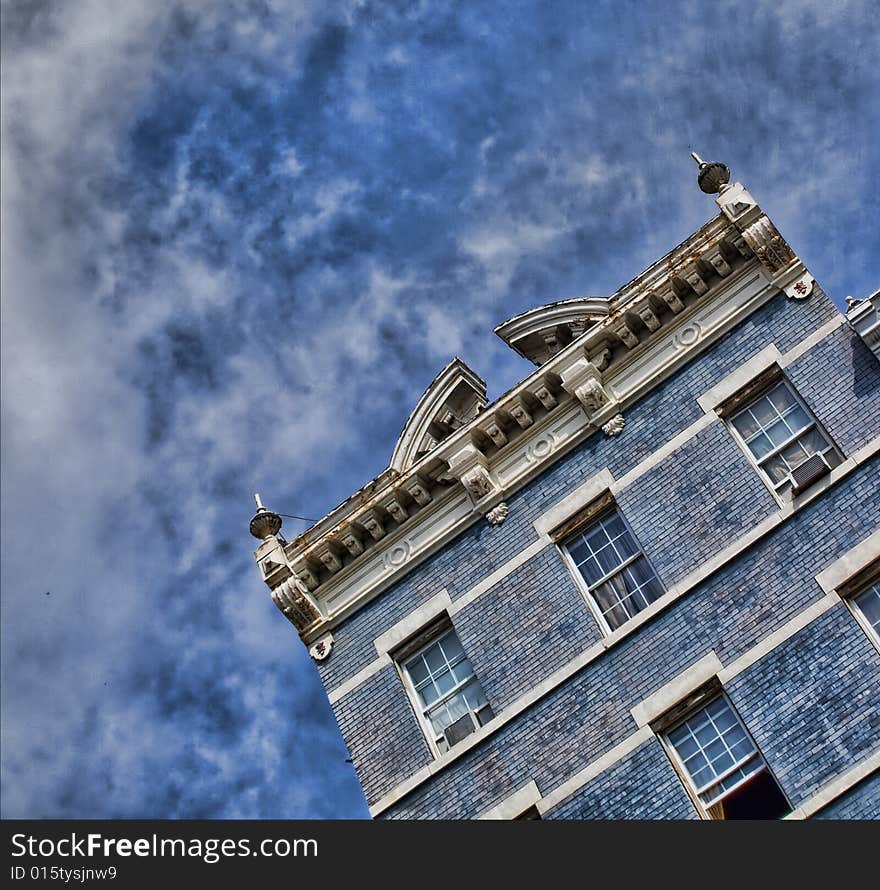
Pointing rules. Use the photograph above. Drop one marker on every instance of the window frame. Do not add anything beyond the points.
(751, 394)
(423, 641)
(859, 584)
(586, 520)
(664, 727)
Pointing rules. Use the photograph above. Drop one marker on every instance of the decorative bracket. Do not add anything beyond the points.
(469, 466)
(321, 648)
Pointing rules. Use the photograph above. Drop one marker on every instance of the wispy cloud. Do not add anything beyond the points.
(239, 240)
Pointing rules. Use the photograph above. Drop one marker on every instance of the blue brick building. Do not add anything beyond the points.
(643, 583)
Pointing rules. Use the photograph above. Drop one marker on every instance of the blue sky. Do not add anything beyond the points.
(238, 241)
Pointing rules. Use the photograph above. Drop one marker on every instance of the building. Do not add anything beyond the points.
(643, 583)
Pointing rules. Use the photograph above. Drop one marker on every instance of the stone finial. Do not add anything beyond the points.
(265, 522)
(712, 176)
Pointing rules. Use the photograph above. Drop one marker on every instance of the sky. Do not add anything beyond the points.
(240, 238)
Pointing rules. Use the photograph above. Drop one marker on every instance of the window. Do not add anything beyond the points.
(618, 578)
(781, 435)
(867, 607)
(723, 767)
(447, 695)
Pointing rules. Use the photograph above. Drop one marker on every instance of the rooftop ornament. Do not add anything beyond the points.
(265, 522)
(713, 177)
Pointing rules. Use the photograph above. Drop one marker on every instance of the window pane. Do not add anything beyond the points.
(596, 539)
(608, 559)
(429, 694)
(781, 397)
(462, 670)
(868, 603)
(764, 412)
(452, 648)
(434, 658)
(418, 670)
(760, 445)
(579, 550)
(776, 468)
(445, 682)
(745, 424)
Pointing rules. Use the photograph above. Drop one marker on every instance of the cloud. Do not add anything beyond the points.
(240, 239)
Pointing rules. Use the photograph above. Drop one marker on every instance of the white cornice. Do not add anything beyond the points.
(656, 323)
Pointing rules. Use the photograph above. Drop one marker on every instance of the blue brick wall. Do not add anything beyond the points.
(856, 395)
(702, 496)
(730, 612)
(536, 613)
(860, 802)
(641, 786)
(813, 703)
(535, 620)
(659, 416)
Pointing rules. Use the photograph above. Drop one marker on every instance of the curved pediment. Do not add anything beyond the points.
(540, 333)
(454, 398)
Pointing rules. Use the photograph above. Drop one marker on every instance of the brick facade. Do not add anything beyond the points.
(812, 702)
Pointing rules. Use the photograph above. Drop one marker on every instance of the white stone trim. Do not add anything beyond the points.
(829, 793)
(812, 340)
(575, 500)
(737, 379)
(498, 575)
(657, 457)
(556, 679)
(412, 623)
(591, 770)
(355, 680)
(836, 574)
(762, 361)
(697, 576)
(778, 637)
(671, 693)
(515, 805)
(680, 340)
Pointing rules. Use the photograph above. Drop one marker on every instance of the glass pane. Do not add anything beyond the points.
(778, 432)
(814, 441)
(760, 446)
(608, 559)
(578, 550)
(625, 545)
(418, 670)
(591, 571)
(614, 526)
(776, 468)
(764, 412)
(434, 658)
(445, 682)
(473, 693)
(781, 397)
(797, 419)
(451, 647)
(597, 538)
(869, 605)
(745, 424)
(462, 670)
(429, 694)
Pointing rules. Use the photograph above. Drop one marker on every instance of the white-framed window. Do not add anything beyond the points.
(866, 605)
(618, 580)
(445, 692)
(722, 766)
(779, 432)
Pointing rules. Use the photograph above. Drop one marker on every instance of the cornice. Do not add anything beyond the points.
(655, 323)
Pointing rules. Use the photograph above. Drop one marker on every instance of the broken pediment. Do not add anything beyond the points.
(541, 333)
(454, 398)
